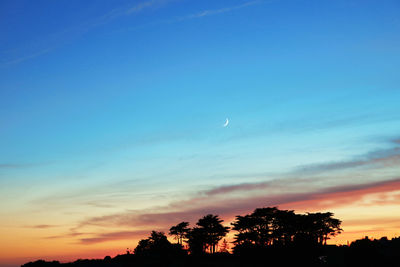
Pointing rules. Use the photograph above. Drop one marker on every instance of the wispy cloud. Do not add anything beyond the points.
(312, 123)
(94, 238)
(105, 237)
(211, 12)
(10, 165)
(62, 37)
(311, 187)
(144, 5)
(382, 157)
(66, 35)
(376, 158)
(197, 15)
(24, 58)
(350, 194)
(191, 210)
(18, 165)
(67, 235)
(127, 11)
(42, 226)
(308, 193)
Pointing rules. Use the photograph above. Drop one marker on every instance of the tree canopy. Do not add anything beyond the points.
(264, 227)
(179, 231)
(271, 226)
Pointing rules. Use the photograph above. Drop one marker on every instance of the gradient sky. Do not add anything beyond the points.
(111, 117)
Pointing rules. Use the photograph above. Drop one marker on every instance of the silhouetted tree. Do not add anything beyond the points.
(327, 226)
(256, 228)
(197, 240)
(316, 227)
(42, 263)
(180, 231)
(156, 244)
(246, 226)
(263, 218)
(284, 226)
(271, 226)
(267, 236)
(211, 226)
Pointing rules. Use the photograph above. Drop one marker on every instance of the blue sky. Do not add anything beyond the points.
(110, 98)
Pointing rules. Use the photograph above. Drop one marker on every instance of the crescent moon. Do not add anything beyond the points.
(226, 123)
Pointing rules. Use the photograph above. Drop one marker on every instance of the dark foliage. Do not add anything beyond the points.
(273, 227)
(42, 263)
(207, 234)
(266, 237)
(157, 245)
(180, 231)
(365, 253)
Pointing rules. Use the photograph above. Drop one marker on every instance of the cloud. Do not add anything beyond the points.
(67, 235)
(24, 58)
(20, 165)
(57, 39)
(68, 34)
(201, 14)
(305, 194)
(237, 187)
(10, 165)
(105, 237)
(276, 184)
(314, 122)
(144, 5)
(127, 11)
(374, 221)
(42, 226)
(228, 207)
(350, 195)
(378, 157)
(310, 193)
(302, 188)
(211, 12)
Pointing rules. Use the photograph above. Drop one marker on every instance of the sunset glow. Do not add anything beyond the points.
(122, 117)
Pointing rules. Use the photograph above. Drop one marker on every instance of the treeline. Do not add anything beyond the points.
(264, 227)
(266, 237)
(364, 252)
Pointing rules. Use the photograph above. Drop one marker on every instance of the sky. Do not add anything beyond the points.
(112, 118)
